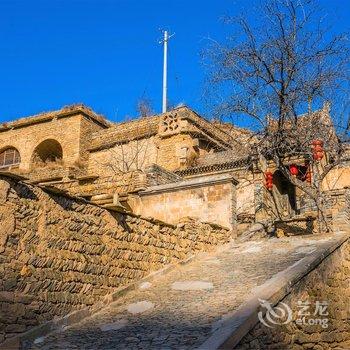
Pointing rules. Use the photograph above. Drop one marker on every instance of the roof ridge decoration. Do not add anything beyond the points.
(60, 113)
(175, 122)
(178, 120)
(170, 124)
(202, 169)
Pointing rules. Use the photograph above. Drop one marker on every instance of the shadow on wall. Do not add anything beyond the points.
(24, 191)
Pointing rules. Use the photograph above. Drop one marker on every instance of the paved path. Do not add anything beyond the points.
(180, 309)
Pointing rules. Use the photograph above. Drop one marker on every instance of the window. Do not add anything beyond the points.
(8, 157)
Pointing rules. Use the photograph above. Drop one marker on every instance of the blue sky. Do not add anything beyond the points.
(105, 53)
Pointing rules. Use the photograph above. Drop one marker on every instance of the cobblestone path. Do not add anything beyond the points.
(180, 309)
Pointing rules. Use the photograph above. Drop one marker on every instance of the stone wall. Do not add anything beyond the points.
(176, 151)
(59, 254)
(330, 283)
(87, 129)
(157, 175)
(91, 185)
(207, 198)
(66, 131)
(337, 178)
(265, 203)
(122, 158)
(246, 191)
(247, 186)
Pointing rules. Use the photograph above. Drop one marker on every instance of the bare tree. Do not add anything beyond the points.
(275, 72)
(144, 107)
(129, 156)
(135, 149)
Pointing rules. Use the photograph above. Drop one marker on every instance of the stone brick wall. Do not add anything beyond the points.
(26, 139)
(60, 254)
(122, 158)
(337, 203)
(337, 178)
(157, 175)
(265, 206)
(130, 130)
(112, 166)
(207, 198)
(87, 129)
(66, 131)
(245, 192)
(329, 282)
(118, 183)
(175, 150)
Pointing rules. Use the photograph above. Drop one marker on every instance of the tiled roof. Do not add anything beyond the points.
(215, 162)
(221, 157)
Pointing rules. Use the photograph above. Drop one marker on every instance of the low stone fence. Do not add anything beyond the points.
(156, 175)
(319, 310)
(91, 185)
(60, 254)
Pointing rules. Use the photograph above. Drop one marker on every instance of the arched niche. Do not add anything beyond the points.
(48, 151)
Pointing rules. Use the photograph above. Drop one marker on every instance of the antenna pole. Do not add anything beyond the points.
(165, 63)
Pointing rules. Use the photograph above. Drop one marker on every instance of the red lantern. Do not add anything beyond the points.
(293, 170)
(269, 180)
(320, 155)
(317, 149)
(317, 142)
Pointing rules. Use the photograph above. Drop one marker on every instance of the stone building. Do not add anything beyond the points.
(168, 166)
(89, 207)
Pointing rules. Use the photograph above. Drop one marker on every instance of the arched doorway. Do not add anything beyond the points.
(284, 195)
(48, 151)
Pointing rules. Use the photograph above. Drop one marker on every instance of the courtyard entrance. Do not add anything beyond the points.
(284, 195)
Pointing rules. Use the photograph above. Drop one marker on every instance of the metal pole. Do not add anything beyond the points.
(164, 107)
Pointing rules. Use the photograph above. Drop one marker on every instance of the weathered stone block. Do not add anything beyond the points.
(15, 328)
